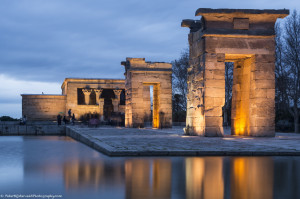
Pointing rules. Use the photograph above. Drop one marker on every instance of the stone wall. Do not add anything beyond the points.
(31, 128)
(43, 107)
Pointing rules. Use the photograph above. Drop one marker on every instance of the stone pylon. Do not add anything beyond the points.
(246, 38)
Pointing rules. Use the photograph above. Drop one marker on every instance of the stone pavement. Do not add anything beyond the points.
(172, 142)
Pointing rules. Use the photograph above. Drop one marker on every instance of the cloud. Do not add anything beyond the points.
(11, 88)
(49, 40)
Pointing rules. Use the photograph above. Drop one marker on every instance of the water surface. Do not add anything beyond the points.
(61, 166)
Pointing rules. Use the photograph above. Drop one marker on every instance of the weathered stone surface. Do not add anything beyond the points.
(214, 111)
(43, 107)
(213, 121)
(215, 92)
(241, 23)
(267, 83)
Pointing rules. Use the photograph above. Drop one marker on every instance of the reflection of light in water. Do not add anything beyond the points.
(228, 138)
(90, 174)
(204, 178)
(148, 179)
(252, 178)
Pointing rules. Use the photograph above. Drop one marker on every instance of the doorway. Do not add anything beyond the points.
(241, 88)
(152, 115)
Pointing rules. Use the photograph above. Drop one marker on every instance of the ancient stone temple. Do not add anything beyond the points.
(246, 38)
(106, 98)
(140, 75)
(103, 97)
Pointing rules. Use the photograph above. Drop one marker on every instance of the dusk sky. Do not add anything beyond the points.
(44, 41)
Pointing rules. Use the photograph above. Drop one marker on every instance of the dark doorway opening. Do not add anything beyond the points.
(228, 94)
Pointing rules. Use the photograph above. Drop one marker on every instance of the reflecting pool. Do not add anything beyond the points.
(61, 166)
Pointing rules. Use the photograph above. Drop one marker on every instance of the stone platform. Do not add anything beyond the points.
(171, 142)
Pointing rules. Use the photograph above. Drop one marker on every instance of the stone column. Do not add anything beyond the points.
(98, 94)
(87, 93)
(101, 106)
(262, 95)
(214, 96)
(116, 101)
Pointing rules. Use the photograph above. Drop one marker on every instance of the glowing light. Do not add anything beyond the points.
(228, 138)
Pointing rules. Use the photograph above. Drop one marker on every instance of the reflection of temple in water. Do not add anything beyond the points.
(195, 178)
(204, 178)
(215, 177)
(87, 174)
(191, 178)
(252, 177)
(148, 178)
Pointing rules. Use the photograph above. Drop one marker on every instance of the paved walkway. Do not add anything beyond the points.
(151, 142)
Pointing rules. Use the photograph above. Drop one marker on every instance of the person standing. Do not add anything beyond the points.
(70, 113)
(73, 119)
(58, 119)
(65, 120)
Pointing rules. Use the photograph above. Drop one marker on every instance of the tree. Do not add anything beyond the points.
(228, 93)
(179, 80)
(7, 118)
(291, 52)
(282, 80)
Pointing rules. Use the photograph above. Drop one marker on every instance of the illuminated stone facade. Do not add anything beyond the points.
(245, 37)
(101, 96)
(82, 96)
(139, 76)
(107, 98)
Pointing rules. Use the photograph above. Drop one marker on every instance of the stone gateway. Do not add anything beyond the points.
(246, 38)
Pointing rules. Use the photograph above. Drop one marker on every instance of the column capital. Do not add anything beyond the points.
(98, 90)
(86, 91)
(117, 93)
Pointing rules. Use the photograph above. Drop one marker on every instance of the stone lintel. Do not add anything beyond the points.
(92, 81)
(230, 12)
(150, 70)
(139, 63)
(238, 21)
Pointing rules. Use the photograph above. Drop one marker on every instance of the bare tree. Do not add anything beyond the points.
(180, 77)
(281, 77)
(291, 59)
(228, 92)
